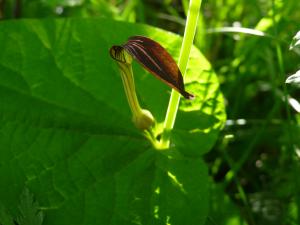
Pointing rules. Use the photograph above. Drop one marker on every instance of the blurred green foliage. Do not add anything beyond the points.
(255, 164)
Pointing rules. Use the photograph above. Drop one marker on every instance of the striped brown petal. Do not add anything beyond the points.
(154, 58)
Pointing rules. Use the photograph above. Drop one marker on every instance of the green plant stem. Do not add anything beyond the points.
(285, 92)
(236, 166)
(242, 193)
(282, 73)
(189, 33)
(287, 109)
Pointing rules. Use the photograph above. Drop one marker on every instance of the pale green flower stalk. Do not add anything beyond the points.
(189, 33)
(141, 118)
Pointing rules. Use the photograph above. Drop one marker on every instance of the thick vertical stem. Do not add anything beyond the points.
(18, 9)
(2, 3)
(189, 33)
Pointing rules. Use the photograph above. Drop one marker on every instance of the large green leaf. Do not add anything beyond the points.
(66, 131)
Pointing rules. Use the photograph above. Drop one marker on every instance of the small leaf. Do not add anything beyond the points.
(295, 78)
(295, 42)
(154, 58)
(5, 218)
(29, 211)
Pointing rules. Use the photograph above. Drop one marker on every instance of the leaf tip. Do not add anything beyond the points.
(295, 78)
(188, 95)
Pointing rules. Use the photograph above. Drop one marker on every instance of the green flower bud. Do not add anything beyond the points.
(143, 120)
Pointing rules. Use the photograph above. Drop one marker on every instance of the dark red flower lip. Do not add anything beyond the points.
(155, 59)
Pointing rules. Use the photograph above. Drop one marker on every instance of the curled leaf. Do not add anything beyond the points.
(296, 41)
(295, 78)
(118, 54)
(154, 58)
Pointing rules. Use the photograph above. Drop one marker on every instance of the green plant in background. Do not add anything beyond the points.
(258, 149)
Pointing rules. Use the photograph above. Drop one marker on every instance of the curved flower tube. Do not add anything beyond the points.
(142, 118)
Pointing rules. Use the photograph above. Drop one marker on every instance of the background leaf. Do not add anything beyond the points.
(66, 130)
(5, 218)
